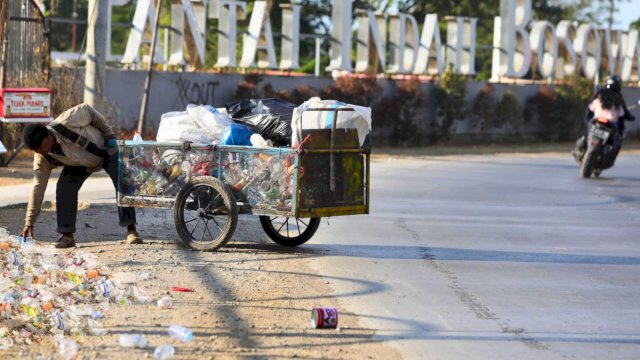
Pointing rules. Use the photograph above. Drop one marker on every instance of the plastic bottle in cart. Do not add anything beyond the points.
(180, 333)
(138, 139)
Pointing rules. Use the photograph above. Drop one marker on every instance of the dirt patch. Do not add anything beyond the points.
(252, 298)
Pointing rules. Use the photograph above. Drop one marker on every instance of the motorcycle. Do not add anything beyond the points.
(603, 146)
(603, 143)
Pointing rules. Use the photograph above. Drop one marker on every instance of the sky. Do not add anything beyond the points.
(628, 12)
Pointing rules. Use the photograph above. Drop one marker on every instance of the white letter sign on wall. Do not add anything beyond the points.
(545, 47)
(514, 50)
(404, 43)
(341, 36)
(567, 59)
(177, 38)
(230, 11)
(556, 51)
(613, 47)
(461, 44)
(214, 9)
(178, 14)
(145, 10)
(371, 29)
(430, 48)
(290, 53)
(631, 55)
(259, 39)
(587, 46)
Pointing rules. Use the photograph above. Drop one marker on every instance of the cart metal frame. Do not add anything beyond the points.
(330, 176)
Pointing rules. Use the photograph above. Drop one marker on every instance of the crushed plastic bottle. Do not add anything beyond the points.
(181, 333)
(45, 293)
(5, 283)
(133, 341)
(164, 352)
(26, 244)
(67, 348)
(143, 275)
(165, 303)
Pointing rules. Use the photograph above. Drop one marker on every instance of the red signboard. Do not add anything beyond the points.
(25, 105)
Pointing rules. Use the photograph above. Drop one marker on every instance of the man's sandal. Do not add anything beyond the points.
(134, 238)
(65, 242)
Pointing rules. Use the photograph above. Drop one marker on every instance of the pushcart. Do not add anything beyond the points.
(208, 186)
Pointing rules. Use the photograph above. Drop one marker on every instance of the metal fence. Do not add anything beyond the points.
(24, 40)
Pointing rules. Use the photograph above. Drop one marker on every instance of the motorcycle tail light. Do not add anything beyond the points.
(603, 120)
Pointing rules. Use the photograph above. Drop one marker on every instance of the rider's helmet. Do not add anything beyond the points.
(614, 83)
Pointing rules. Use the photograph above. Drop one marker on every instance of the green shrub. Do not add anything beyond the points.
(483, 107)
(450, 99)
(249, 87)
(509, 113)
(302, 93)
(364, 91)
(559, 112)
(401, 113)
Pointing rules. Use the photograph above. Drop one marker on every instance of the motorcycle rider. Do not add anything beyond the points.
(612, 84)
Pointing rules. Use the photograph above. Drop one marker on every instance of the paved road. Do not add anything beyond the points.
(493, 257)
(485, 257)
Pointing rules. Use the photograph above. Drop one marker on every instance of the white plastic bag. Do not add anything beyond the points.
(198, 124)
(197, 136)
(172, 124)
(359, 119)
(209, 119)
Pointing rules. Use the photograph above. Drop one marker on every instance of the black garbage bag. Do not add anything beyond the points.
(271, 118)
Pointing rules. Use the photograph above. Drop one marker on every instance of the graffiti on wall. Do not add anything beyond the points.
(196, 92)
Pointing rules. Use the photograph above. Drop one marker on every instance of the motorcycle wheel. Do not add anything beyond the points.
(586, 167)
(596, 173)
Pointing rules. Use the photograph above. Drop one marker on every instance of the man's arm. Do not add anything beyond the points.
(41, 172)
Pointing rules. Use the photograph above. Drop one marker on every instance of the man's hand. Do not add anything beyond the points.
(110, 141)
(112, 144)
(27, 232)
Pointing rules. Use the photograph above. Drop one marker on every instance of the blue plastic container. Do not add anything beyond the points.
(236, 134)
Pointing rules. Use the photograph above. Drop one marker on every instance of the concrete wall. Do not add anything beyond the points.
(173, 91)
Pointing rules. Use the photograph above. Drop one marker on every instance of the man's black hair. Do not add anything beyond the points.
(34, 134)
(610, 99)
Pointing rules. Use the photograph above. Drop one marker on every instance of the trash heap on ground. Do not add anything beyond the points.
(45, 293)
(262, 178)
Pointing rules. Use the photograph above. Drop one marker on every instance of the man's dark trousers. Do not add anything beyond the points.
(69, 183)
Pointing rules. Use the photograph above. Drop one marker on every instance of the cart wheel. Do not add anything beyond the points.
(289, 231)
(205, 213)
